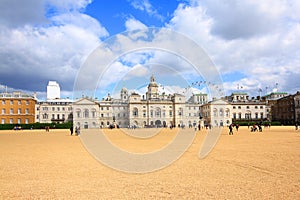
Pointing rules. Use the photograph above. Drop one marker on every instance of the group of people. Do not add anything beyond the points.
(255, 128)
(77, 130)
(231, 126)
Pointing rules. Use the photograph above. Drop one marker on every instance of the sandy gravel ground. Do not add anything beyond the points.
(39, 165)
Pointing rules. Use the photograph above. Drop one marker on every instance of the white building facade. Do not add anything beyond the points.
(150, 110)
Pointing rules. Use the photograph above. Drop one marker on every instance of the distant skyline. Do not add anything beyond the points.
(254, 44)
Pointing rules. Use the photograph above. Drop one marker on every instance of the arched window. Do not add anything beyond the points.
(78, 111)
(215, 112)
(248, 115)
(221, 112)
(86, 113)
(94, 115)
(227, 113)
(180, 112)
(135, 112)
(158, 112)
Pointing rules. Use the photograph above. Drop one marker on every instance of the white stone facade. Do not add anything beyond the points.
(57, 111)
(151, 110)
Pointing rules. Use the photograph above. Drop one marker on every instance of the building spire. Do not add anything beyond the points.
(152, 79)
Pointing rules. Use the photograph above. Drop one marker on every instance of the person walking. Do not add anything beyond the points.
(237, 127)
(78, 131)
(71, 130)
(230, 130)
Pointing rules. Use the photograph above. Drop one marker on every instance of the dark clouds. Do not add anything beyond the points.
(14, 13)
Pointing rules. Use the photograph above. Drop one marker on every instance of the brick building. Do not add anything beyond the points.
(17, 108)
(287, 109)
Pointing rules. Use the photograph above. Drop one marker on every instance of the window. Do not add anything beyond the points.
(3, 110)
(261, 115)
(27, 102)
(239, 107)
(233, 107)
(256, 115)
(157, 112)
(19, 110)
(240, 115)
(37, 116)
(19, 102)
(234, 115)
(53, 116)
(78, 114)
(102, 115)
(19, 121)
(248, 115)
(57, 116)
(255, 107)
(63, 108)
(26, 121)
(227, 113)
(215, 113)
(53, 109)
(170, 113)
(26, 111)
(2, 121)
(3, 102)
(86, 113)
(247, 107)
(11, 102)
(261, 107)
(45, 116)
(180, 112)
(135, 112)
(221, 112)
(58, 108)
(93, 113)
(11, 111)
(11, 121)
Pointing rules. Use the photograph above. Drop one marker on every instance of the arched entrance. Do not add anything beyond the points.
(158, 123)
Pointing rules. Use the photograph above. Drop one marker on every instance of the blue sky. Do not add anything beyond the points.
(253, 44)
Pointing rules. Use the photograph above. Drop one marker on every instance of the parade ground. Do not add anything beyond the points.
(35, 164)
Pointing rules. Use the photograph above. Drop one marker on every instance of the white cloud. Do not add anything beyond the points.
(145, 5)
(68, 5)
(255, 38)
(32, 54)
(133, 24)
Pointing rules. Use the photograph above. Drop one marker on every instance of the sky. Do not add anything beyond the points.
(253, 44)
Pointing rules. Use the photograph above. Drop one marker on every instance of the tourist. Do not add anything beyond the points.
(78, 131)
(230, 130)
(296, 126)
(71, 130)
(237, 127)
